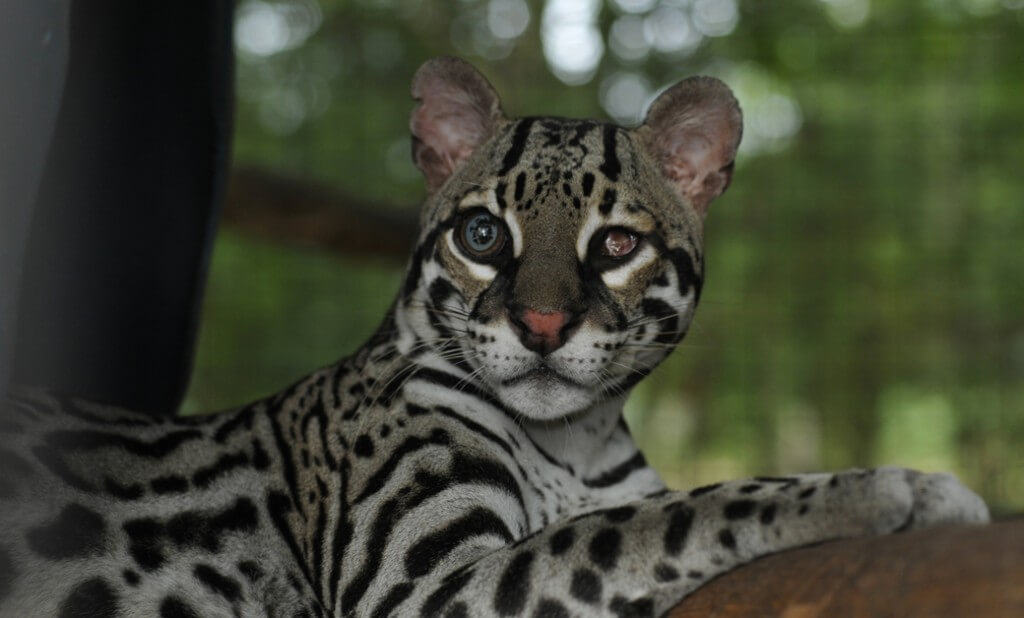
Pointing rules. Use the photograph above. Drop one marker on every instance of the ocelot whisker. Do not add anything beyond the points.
(468, 379)
(647, 321)
(608, 385)
(643, 372)
(447, 310)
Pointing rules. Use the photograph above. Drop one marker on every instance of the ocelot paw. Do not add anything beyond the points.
(911, 499)
(942, 499)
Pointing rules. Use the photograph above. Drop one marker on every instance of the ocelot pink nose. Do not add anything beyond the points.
(542, 331)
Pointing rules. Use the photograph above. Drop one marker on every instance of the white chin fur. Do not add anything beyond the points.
(542, 398)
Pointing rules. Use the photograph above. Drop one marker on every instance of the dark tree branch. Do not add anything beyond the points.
(287, 210)
(961, 572)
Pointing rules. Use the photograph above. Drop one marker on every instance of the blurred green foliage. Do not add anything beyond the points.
(865, 277)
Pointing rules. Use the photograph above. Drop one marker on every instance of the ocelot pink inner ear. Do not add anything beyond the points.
(457, 110)
(694, 129)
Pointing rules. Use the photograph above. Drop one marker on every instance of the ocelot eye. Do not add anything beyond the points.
(482, 235)
(619, 242)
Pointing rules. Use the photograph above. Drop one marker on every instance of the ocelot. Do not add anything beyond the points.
(471, 458)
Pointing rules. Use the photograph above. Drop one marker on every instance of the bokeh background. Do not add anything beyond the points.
(865, 282)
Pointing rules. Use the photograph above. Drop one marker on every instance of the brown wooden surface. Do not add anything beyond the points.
(962, 572)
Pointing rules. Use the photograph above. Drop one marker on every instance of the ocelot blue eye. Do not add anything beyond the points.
(482, 235)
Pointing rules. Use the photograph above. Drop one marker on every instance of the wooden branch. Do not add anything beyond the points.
(287, 210)
(952, 572)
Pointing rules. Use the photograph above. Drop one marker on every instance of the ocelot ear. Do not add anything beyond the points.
(457, 110)
(693, 130)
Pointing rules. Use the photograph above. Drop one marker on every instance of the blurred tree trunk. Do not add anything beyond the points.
(960, 572)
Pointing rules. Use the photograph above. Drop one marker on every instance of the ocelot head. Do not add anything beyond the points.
(560, 260)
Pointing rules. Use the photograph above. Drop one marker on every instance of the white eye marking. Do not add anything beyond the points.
(484, 197)
(516, 233)
(483, 272)
(593, 222)
(618, 277)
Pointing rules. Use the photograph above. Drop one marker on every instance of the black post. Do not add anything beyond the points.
(128, 205)
(33, 49)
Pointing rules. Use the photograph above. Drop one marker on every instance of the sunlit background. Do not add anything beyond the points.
(865, 277)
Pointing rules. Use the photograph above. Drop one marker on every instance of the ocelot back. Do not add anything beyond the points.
(470, 459)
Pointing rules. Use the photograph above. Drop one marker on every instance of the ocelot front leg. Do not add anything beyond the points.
(640, 559)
